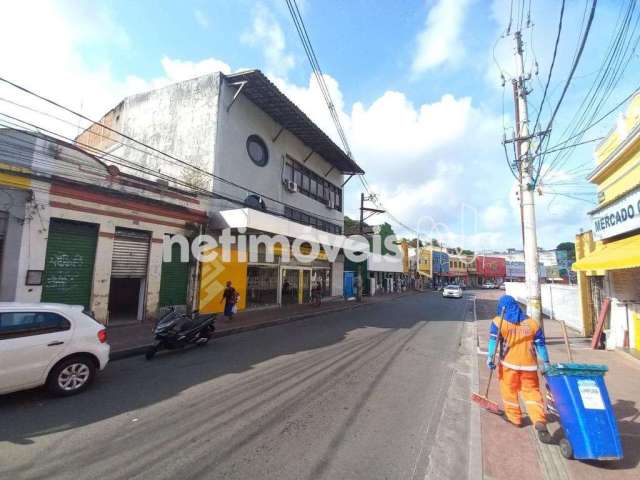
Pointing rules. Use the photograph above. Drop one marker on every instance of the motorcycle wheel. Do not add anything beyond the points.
(205, 337)
(151, 352)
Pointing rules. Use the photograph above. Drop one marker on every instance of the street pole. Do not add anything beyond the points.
(371, 211)
(514, 83)
(360, 280)
(527, 189)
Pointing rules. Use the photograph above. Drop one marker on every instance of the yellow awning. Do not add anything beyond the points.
(623, 253)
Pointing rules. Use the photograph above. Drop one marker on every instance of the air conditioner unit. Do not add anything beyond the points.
(292, 186)
(330, 204)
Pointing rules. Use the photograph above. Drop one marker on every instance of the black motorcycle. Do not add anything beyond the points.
(177, 330)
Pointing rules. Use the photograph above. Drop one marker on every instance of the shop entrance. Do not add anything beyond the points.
(129, 261)
(295, 286)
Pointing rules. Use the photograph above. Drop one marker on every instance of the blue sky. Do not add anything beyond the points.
(415, 82)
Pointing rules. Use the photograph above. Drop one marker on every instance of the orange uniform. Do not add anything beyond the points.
(518, 369)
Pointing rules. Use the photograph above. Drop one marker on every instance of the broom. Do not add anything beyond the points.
(482, 400)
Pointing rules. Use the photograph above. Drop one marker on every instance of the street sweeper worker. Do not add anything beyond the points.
(521, 342)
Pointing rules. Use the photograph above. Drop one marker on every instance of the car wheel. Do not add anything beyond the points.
(71, 376)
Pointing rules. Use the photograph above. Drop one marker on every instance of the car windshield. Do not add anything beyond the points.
(453, 287)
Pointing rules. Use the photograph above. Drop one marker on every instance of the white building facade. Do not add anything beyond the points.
(240, 138)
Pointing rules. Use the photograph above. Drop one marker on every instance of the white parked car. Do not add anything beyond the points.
(49, 344)
(488, 285)
(452, 291)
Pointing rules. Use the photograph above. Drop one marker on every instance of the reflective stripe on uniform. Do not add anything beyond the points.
(522, 368)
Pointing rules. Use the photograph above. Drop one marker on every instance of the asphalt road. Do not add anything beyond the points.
(376, 392)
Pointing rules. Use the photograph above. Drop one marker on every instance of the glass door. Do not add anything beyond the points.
(290, 286)
(305, 287)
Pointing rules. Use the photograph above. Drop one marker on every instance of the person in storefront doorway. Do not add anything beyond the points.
(230, 299)
(521, 342)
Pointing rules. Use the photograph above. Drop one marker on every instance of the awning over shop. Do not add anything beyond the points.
(615, 255)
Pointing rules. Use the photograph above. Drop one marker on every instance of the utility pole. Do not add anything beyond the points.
(360, 279)
(527, 189)
(514, 83)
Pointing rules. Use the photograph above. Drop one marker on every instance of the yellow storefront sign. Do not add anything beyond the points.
(304, 250)
(214, 276)
(15, 181)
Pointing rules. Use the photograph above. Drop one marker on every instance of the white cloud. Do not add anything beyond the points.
(48, 58)
(440, 160)
(52, 64)
(439, 43)
(267, 33)
(201, 18)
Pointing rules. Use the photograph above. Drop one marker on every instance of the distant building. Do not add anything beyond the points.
(491, 269)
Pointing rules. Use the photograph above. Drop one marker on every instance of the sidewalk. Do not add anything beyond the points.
(510, 453)
(127, 340)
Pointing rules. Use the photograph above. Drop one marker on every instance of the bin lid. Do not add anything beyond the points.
(575, 369)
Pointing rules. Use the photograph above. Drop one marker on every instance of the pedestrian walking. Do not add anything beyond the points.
(521, 342)
(230, 299)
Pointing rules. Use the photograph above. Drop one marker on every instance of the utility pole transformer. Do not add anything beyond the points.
(527, 189)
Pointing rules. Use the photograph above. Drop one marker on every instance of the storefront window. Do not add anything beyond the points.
(262, 285)
(322, 276)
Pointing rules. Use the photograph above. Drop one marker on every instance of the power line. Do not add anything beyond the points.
(317, 72)
(573, 67)
(619, 53)
(130, 164)
(553, 62)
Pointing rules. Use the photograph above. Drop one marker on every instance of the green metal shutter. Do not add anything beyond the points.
(68, 270)
(174, 278)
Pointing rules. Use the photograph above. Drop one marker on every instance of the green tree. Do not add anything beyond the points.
(568, 247)
(386, 230)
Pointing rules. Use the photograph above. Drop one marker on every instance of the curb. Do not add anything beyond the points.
(635, 360)
(141, 349)
(476, 457)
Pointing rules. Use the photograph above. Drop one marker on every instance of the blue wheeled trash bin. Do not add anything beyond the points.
(580, 397)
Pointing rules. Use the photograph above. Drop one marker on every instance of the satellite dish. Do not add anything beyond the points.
(255, 202)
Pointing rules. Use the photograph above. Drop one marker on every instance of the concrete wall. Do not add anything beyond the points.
(179, 119)
(560, 301)
(37, 153)
(233, 163)
(189, 120)
(14, 203)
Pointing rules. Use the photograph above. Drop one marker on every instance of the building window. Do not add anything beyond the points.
(257, 150)
(303, 218)
(312, 185)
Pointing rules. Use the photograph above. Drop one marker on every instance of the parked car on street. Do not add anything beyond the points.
(50, 344)
(488, 285)
(452, 291)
